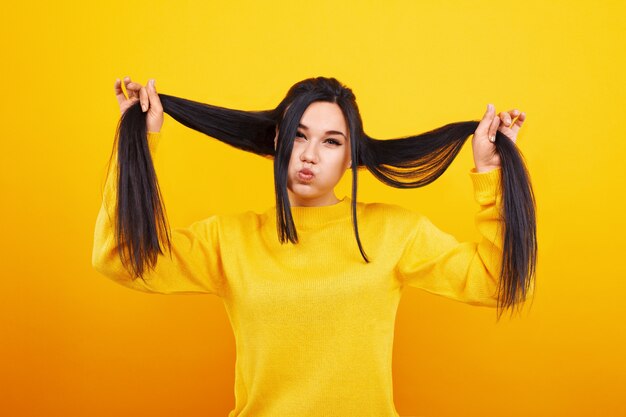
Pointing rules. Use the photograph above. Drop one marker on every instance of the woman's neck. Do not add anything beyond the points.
(299, 201)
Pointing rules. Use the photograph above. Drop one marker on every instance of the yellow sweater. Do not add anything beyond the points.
(313, 322)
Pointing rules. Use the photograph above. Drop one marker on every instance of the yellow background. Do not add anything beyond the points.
(74, 343)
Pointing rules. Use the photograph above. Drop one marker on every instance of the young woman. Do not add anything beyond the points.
(313, 313)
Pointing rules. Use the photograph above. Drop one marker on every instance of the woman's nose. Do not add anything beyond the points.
(309, 153)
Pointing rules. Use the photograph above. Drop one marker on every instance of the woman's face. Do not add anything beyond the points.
(322, 147)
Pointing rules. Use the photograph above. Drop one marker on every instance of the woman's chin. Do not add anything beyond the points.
(304, 191)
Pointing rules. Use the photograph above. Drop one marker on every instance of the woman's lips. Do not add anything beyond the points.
(305, 174)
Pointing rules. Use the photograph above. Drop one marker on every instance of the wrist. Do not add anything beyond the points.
(485, 168)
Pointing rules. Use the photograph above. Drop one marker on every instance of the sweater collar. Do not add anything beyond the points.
(305, 217)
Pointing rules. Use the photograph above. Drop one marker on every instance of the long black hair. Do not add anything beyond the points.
(406, 162)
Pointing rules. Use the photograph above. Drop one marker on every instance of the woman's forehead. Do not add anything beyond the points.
(322, 117)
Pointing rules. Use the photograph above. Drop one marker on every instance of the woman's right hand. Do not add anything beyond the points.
(148, 98)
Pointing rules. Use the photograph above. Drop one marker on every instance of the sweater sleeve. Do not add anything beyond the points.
(468, 272)
(195, 264)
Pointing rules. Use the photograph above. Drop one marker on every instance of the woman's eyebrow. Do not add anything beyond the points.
(330, 131)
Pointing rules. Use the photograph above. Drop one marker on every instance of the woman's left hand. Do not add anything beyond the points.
(509, 123)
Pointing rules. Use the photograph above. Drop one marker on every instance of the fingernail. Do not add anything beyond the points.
(152, 82)
(489, 107)
(143, 107)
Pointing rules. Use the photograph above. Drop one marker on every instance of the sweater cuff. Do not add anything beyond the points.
(153, 140)
(486, 185)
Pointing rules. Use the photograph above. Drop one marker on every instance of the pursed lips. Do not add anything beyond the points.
(307, 171)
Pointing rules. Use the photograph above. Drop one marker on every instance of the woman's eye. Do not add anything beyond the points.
(332, 141)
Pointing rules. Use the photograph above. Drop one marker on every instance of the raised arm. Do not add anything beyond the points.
(194, 266)
(437, 262)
